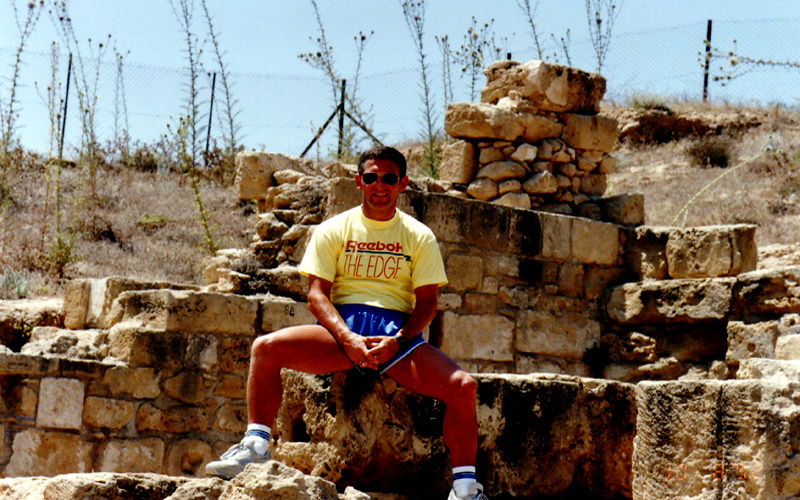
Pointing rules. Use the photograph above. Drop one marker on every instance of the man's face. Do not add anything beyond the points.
(379, 198)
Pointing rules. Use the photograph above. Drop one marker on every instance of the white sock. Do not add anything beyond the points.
(463, 477)
(259, 436)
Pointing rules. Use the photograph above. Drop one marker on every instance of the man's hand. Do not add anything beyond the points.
(360, 351)
(382, 348)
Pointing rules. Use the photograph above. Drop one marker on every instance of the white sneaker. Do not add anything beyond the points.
(233, 461)
(475, 493)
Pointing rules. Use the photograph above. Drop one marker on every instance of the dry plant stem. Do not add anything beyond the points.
(447, 80)
(230, 126)
(601, 15)
(414, 13)
(9, 114)
(530, 13)
(685, 209)
(188, 132)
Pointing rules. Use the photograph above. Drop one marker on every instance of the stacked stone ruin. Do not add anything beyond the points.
(614, 359)
(535, 139)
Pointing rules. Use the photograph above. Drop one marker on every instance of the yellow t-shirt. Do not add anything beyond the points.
(377, 263)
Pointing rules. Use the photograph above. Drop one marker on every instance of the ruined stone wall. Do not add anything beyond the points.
(534, 141)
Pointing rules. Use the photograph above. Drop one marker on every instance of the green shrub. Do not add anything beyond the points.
(13, 285)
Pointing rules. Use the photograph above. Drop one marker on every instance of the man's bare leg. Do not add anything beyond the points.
(309, 348)
(429, 372)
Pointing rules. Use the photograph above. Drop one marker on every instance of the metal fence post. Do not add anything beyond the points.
(708, 61)
(341, 121)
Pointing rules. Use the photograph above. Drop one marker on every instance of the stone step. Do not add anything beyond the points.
(754, 295)
(655, 252)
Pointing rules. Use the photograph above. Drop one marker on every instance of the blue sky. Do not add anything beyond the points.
(265, 37)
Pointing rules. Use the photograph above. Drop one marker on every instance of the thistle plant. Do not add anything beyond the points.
(186, 135)
(601, 16)
(447, 62)
(8, 110)
(476, 52)
(122, 139)
(414, 12)
(322, 59)
(530, 15)
(739, 64)
(229, 117)
(563, 43)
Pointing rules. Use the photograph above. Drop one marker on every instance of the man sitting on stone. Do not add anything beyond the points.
(374, 274)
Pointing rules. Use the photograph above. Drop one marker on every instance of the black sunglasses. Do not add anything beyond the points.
(388, 179)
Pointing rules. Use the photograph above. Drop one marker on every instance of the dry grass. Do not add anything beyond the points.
(764, 191)
(146, 227)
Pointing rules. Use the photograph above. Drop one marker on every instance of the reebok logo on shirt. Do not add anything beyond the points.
(375, 259)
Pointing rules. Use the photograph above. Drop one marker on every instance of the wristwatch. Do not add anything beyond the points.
(401, 341)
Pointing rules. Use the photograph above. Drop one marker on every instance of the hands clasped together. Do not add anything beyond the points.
(369, 352)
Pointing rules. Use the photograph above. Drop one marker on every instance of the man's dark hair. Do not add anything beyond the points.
(383, 153)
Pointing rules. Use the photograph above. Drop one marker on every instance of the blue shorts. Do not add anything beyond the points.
(371, 321)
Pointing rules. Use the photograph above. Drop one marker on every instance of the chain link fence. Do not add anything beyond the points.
(281, 113)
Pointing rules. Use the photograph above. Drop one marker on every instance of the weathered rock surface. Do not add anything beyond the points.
(19, 317)
(484, 121)
(269, 481)
(550, 87)
(254, 171)
(712, 439)
(579, 431)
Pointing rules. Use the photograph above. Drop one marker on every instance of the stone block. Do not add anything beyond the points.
(678, 301)
(464, 272)
(187, 311)
(139, 347)
(579, 430)
(769, 292)
(549, 87)
(131, 455)
(458, 163)
(570, 279)
(472, 337)
(254, 171)
(788, 347)
(774, 369)
(541, 183)
(480, 303)
(24, 399)
(60, 403)
(76, 303)
(712, 251)
(499, 171)
(593, 132)
(562, 334)
(107, 413)
(40, 453)
(188, 457)
(235, 356)
(624, 209)
(188, 387)
(716, 439)
(483, 121)
(231, 418)
(514, 200)
(483, 189)
(593, 184)
(138, 383)
(342, 196)
(755, 340)
(646, 252)
(595, 242)
(556, 236)
(280, 312)
(174, 419)
(231, 387)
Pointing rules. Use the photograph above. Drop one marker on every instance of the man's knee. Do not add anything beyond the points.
(266, 346)
(465, 387)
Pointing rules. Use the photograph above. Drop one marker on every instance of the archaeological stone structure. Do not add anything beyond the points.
(614, 359)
